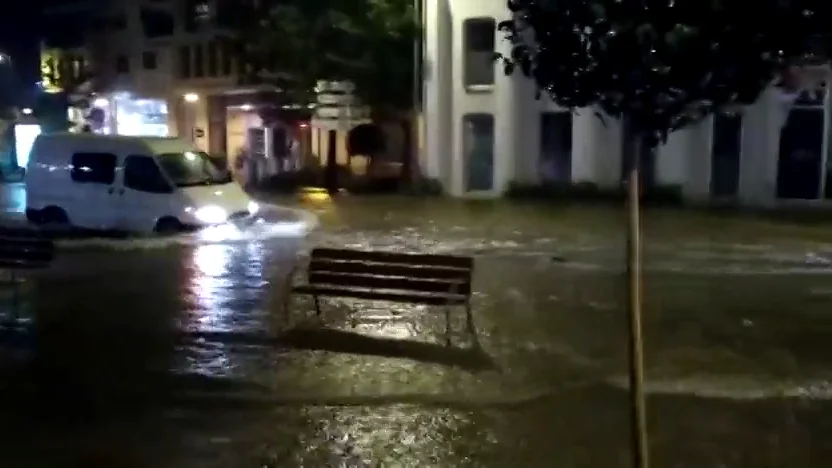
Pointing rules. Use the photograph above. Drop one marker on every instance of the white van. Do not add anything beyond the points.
(135, 184)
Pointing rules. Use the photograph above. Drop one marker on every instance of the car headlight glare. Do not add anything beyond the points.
(211, 215)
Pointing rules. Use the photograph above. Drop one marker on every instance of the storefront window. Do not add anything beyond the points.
(141, 117)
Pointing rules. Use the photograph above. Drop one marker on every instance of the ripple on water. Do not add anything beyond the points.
(274, 223)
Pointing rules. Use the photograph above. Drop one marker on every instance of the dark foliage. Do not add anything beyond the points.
(292, 44)
(662, 64)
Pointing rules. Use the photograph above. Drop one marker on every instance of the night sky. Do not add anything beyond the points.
(20, 33)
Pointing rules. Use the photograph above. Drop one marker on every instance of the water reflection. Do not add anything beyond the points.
(210, 283)
(225, 284)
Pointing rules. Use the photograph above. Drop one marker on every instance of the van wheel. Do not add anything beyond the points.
(33, 216)
(53, 215)
(168, 226)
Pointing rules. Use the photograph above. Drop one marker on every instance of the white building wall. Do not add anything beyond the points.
(684, 161)
(511, 101)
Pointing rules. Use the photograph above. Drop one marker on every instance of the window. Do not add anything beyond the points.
(93, 168)
(479, 34)
(122, 64)
(725, 154)
(227, 52)
(184, 62)
(228, 12)
(478, 151)
(149, 60)
(143, 174)
(156, 22)
(115, 22)
(192, 168)
(556, 146)
(199, 61)
(212, 51)
(196, 13)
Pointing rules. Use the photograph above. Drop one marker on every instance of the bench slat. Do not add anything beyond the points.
(403, 284)
(25, 249)
(387, 269)
(426, 299)
(11, 253)
(23, 265)
(396, 258)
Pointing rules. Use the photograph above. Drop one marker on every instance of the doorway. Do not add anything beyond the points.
(478, 150)
(800, 157)
(726, 150)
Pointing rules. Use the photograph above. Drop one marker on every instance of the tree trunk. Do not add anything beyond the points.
(331, 168)
(638, 406)
(409, 143)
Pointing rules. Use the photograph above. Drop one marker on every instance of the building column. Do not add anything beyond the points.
(762, 122)
(685, 160)
(596, 149)
(516, 128)
(671, 158)
(439, 126)
(697, 161)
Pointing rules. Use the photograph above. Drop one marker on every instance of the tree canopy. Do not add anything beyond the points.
(662, 64)
(295, 43)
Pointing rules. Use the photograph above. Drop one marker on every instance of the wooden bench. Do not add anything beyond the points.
(23, 249)
(436, 280)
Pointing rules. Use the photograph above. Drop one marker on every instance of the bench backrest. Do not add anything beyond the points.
(440, 274)
(21, 249)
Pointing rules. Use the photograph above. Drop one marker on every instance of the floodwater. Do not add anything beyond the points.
(178, 351)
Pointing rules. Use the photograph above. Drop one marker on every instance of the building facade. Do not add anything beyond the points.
(166, 68)
(484, 130)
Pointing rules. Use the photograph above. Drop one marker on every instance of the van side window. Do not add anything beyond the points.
(143, 174)
(93, 168)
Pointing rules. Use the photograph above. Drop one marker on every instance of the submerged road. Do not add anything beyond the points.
(176, 351)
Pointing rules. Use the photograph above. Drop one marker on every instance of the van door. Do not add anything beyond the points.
(146, 194)
(88, 202)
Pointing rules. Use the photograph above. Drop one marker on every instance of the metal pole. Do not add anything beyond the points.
(638, 406)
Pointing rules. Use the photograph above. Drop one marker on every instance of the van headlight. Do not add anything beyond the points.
(253, 208)
(211, 215)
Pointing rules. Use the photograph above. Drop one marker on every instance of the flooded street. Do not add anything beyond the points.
(178, 352)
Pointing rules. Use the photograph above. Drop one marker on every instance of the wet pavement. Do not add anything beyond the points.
(176, 352)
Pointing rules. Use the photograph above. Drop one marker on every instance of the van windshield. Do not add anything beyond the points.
(192, 168)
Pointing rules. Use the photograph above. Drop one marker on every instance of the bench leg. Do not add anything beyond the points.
(469, 319)
(287, 306)
(447, 326)
(15, 298)
(317, 304)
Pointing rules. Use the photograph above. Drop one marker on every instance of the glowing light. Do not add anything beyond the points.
(27, 111)
(190, 156)
(315, 194)
(191, 97)
(100, 102)
(24, 138)
(211, 214)
(246, 107)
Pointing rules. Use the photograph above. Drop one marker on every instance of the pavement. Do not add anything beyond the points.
(176, 351)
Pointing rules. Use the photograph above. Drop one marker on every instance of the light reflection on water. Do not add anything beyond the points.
(226, 288)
